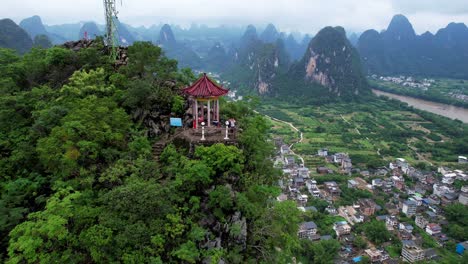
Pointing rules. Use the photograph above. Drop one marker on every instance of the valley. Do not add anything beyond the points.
(171, 142)
(361, 164)
(372, 133)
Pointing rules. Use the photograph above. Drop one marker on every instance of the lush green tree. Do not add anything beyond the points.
(47, 236)
(78, 181)
(376, 231)
(42, 41)
(360, 243)
(323, 252)
(92, 132)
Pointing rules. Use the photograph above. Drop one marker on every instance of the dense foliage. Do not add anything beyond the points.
(457, 215)
(79, 183)
(375, 231)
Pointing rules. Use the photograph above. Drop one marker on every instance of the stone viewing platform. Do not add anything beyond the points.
(192, 138)
(213, 135)
(207, 126)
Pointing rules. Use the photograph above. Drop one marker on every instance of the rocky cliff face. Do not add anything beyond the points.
(332, 62)
(269, 62)
(166, 36)
(14, 37)
(256, 64)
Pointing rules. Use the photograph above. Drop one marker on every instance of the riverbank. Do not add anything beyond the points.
(446, 110)
(444, 91)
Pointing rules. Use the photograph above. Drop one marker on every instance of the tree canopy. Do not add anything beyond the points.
(79, 183)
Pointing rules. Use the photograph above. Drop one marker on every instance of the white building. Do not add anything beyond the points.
(462, 159)
(322, 152)
(440, 190)
(449, 178)
(412, 253)
(433, 229)
(409, 208)
(342, 228)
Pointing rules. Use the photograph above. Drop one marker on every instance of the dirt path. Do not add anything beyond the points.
(301, 136)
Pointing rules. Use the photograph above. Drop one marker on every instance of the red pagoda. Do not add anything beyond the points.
(204, 95)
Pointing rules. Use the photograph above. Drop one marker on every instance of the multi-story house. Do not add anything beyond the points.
(409, 207)
(367, 206)
(307, 230)
(412, 253)
(421, 222)
(342, 228)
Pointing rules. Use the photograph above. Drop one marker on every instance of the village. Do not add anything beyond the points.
(405, 81)
(408, 201)
(423, 84)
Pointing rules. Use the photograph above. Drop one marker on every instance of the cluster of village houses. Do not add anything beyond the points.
(407, 81)
(459, 95)
(424, 200)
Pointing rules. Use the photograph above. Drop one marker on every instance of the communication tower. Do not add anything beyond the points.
(111, 38)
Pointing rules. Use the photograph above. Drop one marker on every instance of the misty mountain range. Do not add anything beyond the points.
(399, 51)
(266, 59)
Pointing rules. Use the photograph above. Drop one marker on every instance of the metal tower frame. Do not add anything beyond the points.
(111, 38)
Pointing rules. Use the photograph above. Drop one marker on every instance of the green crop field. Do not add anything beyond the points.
(372, 134)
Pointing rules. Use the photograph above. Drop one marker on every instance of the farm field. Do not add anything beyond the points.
(372, 134)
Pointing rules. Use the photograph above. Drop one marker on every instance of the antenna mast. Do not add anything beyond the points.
(111, 38)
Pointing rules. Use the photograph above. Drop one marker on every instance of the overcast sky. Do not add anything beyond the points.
(288, 15)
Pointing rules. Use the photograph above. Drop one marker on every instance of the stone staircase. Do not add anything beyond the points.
(158, 149)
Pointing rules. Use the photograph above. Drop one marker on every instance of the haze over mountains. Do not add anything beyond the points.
(398, 50)
(268, 60)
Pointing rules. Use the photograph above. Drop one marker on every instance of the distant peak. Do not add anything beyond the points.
(400, 26)
(251, 28)
(166, 36)
(249, 35)
(270, 34)
(271, 27)
(398, 22)
(457, 26)
(166, 27)
(33, 19)
(341, 30)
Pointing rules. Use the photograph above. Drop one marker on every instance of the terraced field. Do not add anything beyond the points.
(372, 133)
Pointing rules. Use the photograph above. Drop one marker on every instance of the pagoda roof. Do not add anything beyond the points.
(205, 88)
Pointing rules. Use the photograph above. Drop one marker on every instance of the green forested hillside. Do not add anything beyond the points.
(329, 70)
(14, 37)
(79, 184)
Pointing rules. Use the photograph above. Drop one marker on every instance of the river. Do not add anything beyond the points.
(449, 111)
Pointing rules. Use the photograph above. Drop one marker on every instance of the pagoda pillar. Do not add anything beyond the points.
(217, 111)
(202, 110)
(196, 114)
(209, 113)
